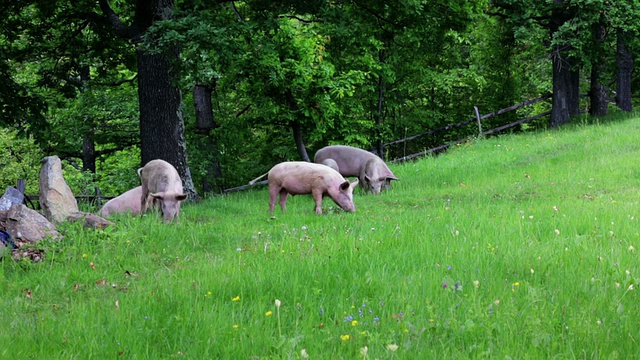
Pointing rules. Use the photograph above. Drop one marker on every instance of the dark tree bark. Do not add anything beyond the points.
(565, 92)
(380, 109)
(88, 155)
(296, 127)
(88, 142)
(597, 94)
(205, 122)
(161, 120)
(624, 61)
(561, 89)
(297, 136)
(574, 90)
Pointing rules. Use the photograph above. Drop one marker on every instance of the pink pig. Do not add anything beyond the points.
(126, 202)
(161, 184)
(373, 173)
(299, 177)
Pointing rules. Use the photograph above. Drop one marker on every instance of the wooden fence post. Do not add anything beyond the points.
(98, 196)
(21, 185)
(479, 121)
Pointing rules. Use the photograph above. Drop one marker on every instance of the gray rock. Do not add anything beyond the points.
(56, 197)
(12, 196)
(26, 225)
(90, 220)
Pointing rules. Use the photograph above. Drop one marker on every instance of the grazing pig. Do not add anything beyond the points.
(373, 173)
(161, 184)
(126, 202)
(299, 177)
(331, 163)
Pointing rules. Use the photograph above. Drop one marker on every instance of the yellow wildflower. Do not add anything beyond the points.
(269, 313)
(345, 337)
(237, 298)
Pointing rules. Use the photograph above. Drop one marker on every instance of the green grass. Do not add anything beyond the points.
(511, 247)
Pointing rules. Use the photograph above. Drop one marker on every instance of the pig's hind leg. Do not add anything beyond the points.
(273, 194)
(283, 199)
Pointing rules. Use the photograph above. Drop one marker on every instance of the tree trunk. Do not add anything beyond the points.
(597, 94)
(88, 154)
(205, 122)
(88, 142)
(161, 121)
(561, 88)
(297, 136)
(565, 93)
(624, 61)
(380, 109)
(296, 128)
(574, 91)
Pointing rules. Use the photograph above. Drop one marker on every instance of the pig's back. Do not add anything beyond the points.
(348, 158)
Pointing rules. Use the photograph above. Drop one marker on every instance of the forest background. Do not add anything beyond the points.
(226, 89)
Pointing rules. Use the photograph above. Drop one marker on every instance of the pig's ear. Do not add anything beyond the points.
(355, 182)
(181, 197)
(345, 186)
(392, 178)
(157, 195)
(367, 179)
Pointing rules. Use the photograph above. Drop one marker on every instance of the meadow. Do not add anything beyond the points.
(519, 246)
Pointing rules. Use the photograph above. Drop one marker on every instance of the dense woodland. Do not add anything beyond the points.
(226, 89)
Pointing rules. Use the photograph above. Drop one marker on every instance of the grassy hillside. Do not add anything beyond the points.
(519, 246)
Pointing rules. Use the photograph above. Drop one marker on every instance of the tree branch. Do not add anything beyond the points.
(113, 19)
(298, 18)
(118, 83)
(235, 9)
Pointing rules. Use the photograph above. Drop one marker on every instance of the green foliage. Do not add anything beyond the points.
(344, 72)
(106, 115)
(20, 159)
(118, 172)
(81, 182)
(505, 247)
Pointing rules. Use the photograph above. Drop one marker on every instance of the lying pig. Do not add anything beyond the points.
(331, 163)
(299, 177)
(161, 184)
(126, 202)
(373, 173)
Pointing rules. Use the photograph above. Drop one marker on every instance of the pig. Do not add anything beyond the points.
(161, 184)
(126, 202)
(373, 173)
(300, 177)
(331, 163)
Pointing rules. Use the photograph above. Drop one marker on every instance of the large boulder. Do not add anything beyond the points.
(56, 198)
(26, 225)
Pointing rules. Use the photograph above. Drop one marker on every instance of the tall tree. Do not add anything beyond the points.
(554, 16)
(161, 119)
(597, 91)
(566, 95)
(624, 17)
(624, 61)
